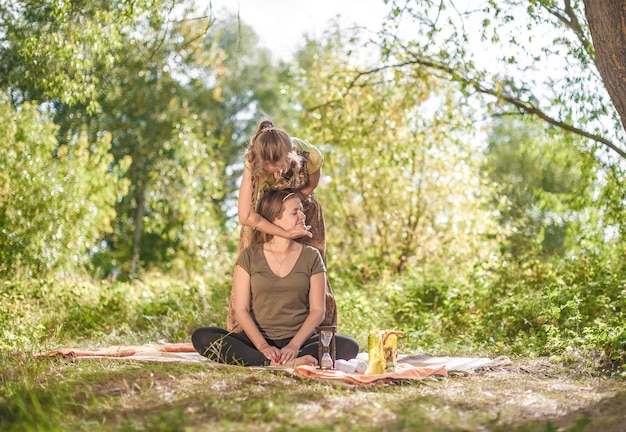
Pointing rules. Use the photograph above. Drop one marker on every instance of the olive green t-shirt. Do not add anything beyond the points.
(279, 305)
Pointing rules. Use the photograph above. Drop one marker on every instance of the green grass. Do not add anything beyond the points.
(120, 395)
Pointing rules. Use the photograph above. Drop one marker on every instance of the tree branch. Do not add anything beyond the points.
(569, 18)
(522, 106)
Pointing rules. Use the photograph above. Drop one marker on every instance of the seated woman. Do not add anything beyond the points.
(278, 297)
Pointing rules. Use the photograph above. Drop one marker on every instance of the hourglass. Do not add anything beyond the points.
(326, 346)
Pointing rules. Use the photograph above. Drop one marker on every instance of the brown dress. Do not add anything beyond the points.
(311, 162)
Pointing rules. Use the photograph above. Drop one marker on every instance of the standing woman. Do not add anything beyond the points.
(275, 161)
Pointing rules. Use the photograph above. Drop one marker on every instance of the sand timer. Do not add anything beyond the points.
(326, 346)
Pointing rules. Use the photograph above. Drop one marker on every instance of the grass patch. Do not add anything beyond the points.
(118, 395)
(568, 392)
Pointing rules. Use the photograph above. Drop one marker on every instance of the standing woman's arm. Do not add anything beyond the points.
(248, 217)
(246, 214)
(309, 187)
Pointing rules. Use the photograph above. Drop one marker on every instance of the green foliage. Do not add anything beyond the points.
(55, 200)
(171, 104)
(173, 203)
(401, 184)
(557, 292)
(52, 48)
(544, 187)
(38, 314)
(552, 309)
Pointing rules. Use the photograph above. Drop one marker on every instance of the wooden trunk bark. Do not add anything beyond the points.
(134, 267)
(607, 24)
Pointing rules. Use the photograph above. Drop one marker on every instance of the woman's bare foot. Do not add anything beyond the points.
(308, 360)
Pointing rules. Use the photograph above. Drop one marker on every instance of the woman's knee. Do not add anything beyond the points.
(204, 336)
(347, 347)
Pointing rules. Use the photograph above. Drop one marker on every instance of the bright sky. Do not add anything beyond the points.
(281, 24)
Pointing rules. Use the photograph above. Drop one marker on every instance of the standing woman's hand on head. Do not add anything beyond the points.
(298, 232)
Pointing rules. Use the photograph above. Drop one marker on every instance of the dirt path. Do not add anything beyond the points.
(539, 391)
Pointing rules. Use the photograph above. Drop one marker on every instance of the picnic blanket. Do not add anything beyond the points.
(410, 367)
(165, 352)
(404, 372)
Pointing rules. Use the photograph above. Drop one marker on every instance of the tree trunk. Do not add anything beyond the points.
(607, 24)
(134, 268)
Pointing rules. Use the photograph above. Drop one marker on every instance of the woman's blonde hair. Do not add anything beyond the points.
(270, 145)
(271, 206)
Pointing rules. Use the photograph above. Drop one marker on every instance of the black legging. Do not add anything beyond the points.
(236, 348)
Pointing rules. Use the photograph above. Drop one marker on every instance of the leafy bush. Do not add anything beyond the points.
(55, 201)
(36, 315)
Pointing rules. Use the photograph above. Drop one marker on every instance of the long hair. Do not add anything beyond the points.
(270, 145)
(271, 206)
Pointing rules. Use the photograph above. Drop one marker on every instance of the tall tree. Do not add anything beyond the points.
(174, 175)
(607, 24)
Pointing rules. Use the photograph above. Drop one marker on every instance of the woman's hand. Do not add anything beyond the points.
(271, 353)
(297, 233)
(288, 354)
